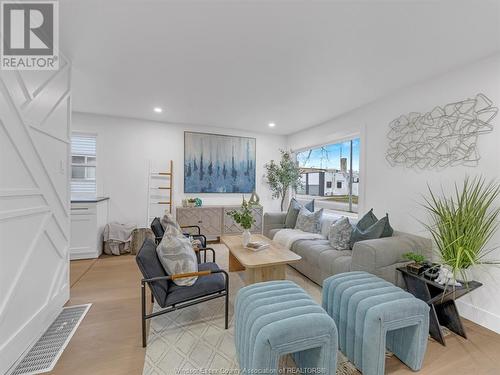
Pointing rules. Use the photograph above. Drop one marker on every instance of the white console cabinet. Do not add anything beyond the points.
(88, 218)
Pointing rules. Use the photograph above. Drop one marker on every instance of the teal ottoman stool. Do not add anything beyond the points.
(371, 315)
(277, 318)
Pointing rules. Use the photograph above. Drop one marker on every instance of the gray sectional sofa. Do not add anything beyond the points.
(379, 257)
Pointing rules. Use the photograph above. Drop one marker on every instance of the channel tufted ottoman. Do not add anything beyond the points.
(276, 318)
(371, 315)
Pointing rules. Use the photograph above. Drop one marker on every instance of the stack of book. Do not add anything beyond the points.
(257, 245)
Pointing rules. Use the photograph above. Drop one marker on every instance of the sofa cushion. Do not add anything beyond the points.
(372, 232)
(293, 211)
(310, 205)
(332, 262)
(309, 221)
(340, 234)
(367, 221)
(177, 256)
(388, 231)
(326, 222)
(310, 250)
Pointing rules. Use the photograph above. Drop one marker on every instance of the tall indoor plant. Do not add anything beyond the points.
(462, 225)
(283, 176)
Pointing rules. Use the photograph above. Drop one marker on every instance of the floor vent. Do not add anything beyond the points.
(43, 356)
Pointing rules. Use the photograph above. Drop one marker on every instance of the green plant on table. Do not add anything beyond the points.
(463, 224)
(243, 216)
(417, 258)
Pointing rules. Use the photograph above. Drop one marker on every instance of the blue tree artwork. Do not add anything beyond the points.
(216, 163)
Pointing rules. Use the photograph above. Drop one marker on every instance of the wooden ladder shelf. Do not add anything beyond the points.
(160, 190)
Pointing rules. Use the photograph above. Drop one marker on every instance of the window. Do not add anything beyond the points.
(83, 163)
(331, 175)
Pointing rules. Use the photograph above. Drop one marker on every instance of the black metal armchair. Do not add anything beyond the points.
(212, 283)
(158, 231)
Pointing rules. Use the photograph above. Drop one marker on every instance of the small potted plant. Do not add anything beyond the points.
(191, 202)
(245, 219)
(417, 265)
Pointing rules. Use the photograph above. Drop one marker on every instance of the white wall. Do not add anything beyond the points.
(125, 146)
(35, 115)
(399, 190)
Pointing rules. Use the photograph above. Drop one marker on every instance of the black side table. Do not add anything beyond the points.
(441, 300)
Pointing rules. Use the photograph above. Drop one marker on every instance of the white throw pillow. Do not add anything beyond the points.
(340, 234)
(177, 256)
(309, 221)
(169, 225)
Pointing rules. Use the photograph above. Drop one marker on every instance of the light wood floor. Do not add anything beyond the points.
(108, 341)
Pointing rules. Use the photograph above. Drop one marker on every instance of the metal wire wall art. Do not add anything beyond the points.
(446, 136)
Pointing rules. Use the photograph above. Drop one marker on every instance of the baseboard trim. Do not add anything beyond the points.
(91, 254)
(22, 341)
(479, 316)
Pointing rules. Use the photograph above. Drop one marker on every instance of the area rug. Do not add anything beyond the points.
(193, 340)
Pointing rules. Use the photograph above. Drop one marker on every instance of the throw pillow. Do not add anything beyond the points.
(170, 225)
(177, 256)
(367, 220)
(373, 232)
(309, 221)
(388, 231)
(293, 212)
(310, 206)
(340, 234)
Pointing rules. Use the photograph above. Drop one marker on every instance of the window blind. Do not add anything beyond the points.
(83, 145)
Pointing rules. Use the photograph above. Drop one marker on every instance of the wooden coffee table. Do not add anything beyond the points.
(264, 265)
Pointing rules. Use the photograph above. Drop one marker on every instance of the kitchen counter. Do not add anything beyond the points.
(88, 199)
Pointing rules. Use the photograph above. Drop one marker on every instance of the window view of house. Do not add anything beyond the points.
(331, 175)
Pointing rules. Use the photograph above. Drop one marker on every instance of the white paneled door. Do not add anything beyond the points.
(35, 118)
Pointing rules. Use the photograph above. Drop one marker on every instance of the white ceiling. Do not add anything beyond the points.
(243, 64)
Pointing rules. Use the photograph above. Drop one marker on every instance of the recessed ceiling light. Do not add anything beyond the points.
(157, 109)
(272, 124)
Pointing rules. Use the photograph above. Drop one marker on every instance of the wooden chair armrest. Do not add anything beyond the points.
(190, 274)
(182, 275)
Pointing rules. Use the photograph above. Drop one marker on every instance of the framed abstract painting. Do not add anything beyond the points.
(215, 163)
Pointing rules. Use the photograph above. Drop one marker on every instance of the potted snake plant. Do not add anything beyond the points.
(462, 225)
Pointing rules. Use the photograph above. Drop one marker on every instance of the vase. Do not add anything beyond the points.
(246, 236)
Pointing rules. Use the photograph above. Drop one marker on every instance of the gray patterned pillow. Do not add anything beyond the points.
(177, 256)
(169, 224)
(340, 234)
(309, 221)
